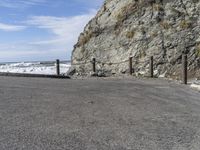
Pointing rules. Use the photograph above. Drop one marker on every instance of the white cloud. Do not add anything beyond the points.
(65, 32)
(20, 3)
(65, 29)
(8, 27)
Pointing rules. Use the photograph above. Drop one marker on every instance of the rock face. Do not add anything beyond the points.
(141, 28)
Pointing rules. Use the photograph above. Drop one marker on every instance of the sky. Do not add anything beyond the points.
(42, 30)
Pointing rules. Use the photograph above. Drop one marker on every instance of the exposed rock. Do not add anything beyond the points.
(101, 74)
(71, 71)
(141, 28)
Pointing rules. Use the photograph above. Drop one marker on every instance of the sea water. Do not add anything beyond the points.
(45, 67)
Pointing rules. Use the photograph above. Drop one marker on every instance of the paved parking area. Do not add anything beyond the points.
(98, 114)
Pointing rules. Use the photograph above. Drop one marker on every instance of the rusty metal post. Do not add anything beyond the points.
(184, 69)
(131, 65)
(58, 67)
(94, 64)
(151, 67)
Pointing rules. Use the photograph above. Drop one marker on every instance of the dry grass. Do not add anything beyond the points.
(158, 7)
(154, 34)
(126, 11)
(84, 38)
(198, 50)
(185, 24)
(130, 34)
(165, 25)
(142, 54)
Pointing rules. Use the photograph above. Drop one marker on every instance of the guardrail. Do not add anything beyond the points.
(131, 70)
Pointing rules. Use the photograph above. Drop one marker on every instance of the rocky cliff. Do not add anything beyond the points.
(141, 28)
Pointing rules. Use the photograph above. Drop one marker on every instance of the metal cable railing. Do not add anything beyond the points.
(112, 63)
(151, 62)
(81, 63)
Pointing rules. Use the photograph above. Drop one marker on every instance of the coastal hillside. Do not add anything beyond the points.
(164, 29)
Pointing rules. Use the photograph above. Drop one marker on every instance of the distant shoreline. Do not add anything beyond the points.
(63, 61)
(34, 67)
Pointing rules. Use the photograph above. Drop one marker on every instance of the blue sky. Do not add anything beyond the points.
(33, 30)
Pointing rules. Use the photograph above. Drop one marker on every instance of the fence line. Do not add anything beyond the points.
(130, 61)
(58, 67)
(108, 63)
(114, 63)
(81, 63)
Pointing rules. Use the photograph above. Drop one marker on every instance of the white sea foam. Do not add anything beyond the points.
(34, 67)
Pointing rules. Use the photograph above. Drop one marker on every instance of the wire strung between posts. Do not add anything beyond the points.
(81, 63)
(109, 63)
(140, 62)
(112, 63)
(156, 61)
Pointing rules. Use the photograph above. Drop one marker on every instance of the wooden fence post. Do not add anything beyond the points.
(151, 67)
(94, 64)
(58, 67)
(184, 68)
(131, 65)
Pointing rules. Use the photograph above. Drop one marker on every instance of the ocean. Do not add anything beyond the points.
(43, 67)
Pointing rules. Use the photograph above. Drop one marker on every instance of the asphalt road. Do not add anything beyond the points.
(98, 114)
